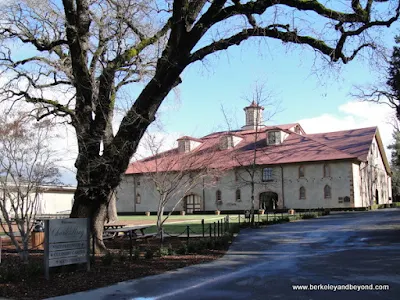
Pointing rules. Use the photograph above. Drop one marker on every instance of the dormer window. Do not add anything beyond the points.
(274, 137)
(228, 141)
(187, 144)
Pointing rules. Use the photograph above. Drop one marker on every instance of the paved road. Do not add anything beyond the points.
(350, 248)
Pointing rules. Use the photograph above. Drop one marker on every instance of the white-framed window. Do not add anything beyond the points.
(267, 174)
(274, 137)
(327, 192)
(302, 193)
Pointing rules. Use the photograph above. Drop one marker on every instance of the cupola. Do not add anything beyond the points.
(254, 118)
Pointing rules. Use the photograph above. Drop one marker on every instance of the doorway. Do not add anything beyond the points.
(191, 203)
(268, 201)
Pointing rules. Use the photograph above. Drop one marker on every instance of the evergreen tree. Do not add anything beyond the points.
(395, 164)
(393, 81)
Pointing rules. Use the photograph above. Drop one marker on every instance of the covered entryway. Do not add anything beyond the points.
(191, 203)
(268, 200)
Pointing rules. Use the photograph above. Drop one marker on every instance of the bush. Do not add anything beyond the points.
(171, 250)
(326, 212)
(121, 255)
(107, 259)
(163, 251)
(149, 254)
(308, 216)
(136, 253)
(183, 249)
(10, 272)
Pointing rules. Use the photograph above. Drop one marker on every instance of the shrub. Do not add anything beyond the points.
(121, 255)
(163, 251)
(11, 272)
(136, 253)
(107, 259)
(183, 249)
(308, 216)
(8, 274)
(149, 254)
(171, 250)
(326, 212)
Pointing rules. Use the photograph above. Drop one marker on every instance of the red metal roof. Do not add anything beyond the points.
(351, 144)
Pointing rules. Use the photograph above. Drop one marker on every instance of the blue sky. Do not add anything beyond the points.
(306, 89)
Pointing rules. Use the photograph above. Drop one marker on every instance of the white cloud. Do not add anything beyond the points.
(354, 114)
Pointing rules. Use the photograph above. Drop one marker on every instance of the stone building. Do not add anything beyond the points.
(290, 169)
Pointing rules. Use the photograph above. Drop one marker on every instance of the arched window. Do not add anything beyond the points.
(138, 199)
(218, 196)
(238, 196)
(327, 170)
(301, 171)
(302, 193)
(327, 192)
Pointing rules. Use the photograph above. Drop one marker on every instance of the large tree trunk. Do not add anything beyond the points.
(95, 208)
(112, 215)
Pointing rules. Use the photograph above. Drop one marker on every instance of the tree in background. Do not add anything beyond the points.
(80, 55)
(26, 165)
(249, 171)
(395, 164)
(173, 174)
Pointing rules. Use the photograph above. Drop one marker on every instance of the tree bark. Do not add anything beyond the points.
(112, 215)
(95, 207)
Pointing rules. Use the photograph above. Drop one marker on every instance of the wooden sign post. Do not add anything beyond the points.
(66, 243)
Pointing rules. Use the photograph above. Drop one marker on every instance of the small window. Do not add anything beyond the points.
(302, 193)
(327, 170)
(327, 192)
(267, 174)
(218, 196)
(238, 196)
(301, 171)
(346, 199)
(274, 137)
(138, 182)
(236, 175)
(187, 146)
(297, 129)
(138, 198)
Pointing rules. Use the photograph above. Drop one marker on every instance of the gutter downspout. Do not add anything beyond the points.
(204, 197)
(134, 194)
(283, 190)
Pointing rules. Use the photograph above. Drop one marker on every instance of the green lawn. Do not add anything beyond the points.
(153, 218)
(194, 222)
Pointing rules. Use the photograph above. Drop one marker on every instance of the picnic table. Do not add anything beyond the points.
(134, 233)
(113, 226)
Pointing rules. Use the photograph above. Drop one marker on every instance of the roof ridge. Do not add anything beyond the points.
(342, 130)
(338, 150)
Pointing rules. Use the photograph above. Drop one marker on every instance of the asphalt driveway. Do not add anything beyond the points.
(353, 250)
